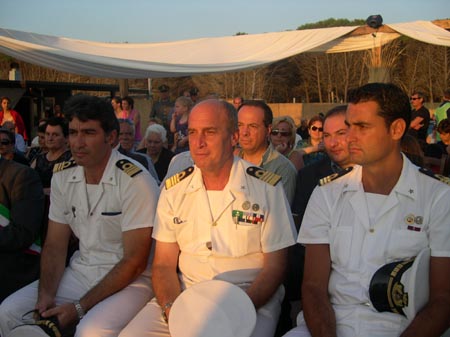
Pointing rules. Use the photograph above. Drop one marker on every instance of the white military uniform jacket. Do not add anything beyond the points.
(125, 199)
(415, 215)
(255, 219)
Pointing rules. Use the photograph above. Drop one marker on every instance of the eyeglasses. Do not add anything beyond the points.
(5, 142)
(282, 133)
(413, 98)
(315, 128)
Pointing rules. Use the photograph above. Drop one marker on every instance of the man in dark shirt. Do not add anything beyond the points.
(420, 118)
(335, 143)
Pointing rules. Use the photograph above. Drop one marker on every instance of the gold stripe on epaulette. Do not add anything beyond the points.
(176, 178)
(63, 165)
(266, 176)
(128, 167)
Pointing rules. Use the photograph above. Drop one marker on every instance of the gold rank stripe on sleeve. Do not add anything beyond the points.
(176, 178)
(128, 167)
(266, 176)
(431, 174)
(64, 165)
(334, 176)
(327, 179)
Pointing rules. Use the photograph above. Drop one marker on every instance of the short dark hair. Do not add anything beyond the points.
(117, 99)
(11, 136)
(420, 94)
(447, 94)
(129, 100)
(59, 121)
(126, 121)
(443, 126)
(42, 127)
(337, 110)
(316, 118)
(85, 107)
(393, 102)
(268, 114)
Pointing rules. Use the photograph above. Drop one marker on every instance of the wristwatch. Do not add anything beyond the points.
(164, 308)
(79, 309)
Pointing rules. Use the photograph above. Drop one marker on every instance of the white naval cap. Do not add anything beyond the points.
(212, 308)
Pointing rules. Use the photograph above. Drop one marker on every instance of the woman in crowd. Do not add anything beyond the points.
(282, 137)
(179, 123)
(56, 134)
(155, 147)
(9, 115)
(38, 144)
(116, 103)
(129, 112)
(312, 148)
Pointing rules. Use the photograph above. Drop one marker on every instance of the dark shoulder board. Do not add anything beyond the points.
(334, 176)
(176, 178)
(64, 165)
(431, 174)
(266, 176)
(128, 167)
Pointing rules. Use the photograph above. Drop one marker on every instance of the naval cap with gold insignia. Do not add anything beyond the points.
(402, 287)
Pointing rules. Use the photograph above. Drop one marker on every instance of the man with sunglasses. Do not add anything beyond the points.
(255, 125)
(7, 147)
(420, 118)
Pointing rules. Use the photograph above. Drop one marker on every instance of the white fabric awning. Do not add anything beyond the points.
(199, 56)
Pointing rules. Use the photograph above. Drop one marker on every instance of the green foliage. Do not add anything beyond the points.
(240, 33)
(332, 22)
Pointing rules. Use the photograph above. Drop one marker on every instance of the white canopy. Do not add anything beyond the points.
(199, 56)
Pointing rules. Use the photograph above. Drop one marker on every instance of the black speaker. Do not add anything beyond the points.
(374, 21)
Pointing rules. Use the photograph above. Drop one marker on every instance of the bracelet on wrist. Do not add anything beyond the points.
(79, 309)
(166, 306)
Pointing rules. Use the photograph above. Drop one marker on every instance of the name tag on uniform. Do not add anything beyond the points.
(111, 213)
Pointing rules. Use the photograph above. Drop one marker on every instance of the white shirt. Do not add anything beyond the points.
(254, 218)
(122, 203)
(415, 215)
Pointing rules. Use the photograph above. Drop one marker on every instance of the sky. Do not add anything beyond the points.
(139, 21)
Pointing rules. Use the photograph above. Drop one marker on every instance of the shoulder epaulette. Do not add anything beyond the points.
(334, 176)
(431, 174)
(64, 165)
(176, 178)
(128, 167)
(266, 176)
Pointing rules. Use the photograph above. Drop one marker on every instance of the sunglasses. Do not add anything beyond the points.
(5, 142)
(282, 133)
(315, 128)
(414, 98)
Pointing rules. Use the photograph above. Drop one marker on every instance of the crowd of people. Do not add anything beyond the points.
(102, 228)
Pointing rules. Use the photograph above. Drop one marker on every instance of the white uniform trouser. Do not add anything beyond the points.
(107, 318)
(149, 322)
(356, 321)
